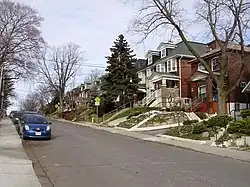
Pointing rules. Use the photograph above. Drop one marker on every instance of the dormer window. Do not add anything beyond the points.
(215, 64)
(163, 53)
(150, 60)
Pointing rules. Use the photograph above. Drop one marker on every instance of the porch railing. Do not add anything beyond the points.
(149, 98)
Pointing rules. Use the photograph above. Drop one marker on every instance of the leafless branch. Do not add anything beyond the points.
(20, 37)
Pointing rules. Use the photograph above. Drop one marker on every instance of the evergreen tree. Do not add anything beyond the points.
(8, 86)
(121, 80)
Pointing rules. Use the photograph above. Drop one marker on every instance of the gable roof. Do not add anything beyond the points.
(231, 46)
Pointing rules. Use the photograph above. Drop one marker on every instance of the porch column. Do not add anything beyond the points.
(164, 93)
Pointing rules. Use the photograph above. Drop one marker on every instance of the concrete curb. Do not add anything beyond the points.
(155, 128)
(183, 139)
(225, 152)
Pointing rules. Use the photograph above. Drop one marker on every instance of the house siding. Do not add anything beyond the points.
(186, 72)
(234, 72)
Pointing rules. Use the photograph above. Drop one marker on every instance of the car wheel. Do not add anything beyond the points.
(49, 138)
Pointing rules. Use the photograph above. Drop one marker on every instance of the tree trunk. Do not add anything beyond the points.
(222, 104)
(61, 103)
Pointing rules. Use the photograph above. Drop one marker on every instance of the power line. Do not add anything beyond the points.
(93, 66)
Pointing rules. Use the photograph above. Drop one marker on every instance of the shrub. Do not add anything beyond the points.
(190, 122)
(219, 121)
(245, 113)
(240, 126)
(177, 108)
(199, 128)
(201, 115)
(136, 113)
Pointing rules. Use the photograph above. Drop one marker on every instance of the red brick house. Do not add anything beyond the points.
(203, 88)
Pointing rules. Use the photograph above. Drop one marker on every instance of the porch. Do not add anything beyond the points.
(204, 93)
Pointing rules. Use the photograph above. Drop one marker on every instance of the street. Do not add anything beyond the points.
(80, 156)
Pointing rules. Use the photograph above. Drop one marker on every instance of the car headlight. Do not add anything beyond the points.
(26, 127)
(48, 127)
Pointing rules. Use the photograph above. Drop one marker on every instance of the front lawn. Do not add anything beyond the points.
(187, 131)
(134, 112)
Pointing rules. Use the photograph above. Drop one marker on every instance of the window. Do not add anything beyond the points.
(171, 65)
(201, 67)
(202, 91)
(186, 100)
(150, 60)
(243, 84)
(163, 53)
(163, 68)
(148, 72)
(215, 64)
(158, 68)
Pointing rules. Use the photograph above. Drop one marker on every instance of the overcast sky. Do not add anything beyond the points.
(93, 24)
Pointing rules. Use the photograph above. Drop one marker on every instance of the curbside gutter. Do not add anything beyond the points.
(225, 152)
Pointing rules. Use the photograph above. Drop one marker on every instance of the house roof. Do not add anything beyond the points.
(153, 52)
(182, 50)
(217, 50)
(166, 44)
(198, 76)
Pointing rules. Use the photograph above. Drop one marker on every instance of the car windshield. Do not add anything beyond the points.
(34, 119)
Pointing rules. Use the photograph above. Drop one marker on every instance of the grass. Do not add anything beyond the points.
(133, 121)
(165, 119)
(133, 110)
(185, 132)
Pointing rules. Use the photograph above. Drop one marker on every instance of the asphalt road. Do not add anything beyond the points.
(79, 156)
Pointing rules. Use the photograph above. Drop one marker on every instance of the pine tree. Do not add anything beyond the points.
(8, 86)
(121, 79)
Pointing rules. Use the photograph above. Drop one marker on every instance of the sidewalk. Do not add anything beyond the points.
(225, 152)
(16, 169)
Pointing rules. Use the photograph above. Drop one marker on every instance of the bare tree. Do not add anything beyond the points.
(94, 75)
(226, 20)
(30, 102)
(58, 65)
(20, 37)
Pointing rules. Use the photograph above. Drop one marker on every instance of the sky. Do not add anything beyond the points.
(93, 24)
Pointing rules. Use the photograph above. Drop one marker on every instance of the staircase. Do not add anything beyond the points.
(149, 98)
(196, 104)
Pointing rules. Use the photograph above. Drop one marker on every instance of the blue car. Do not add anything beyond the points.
(34, 126)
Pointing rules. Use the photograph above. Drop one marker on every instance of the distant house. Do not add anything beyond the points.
(168, 64)
(89, 90)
